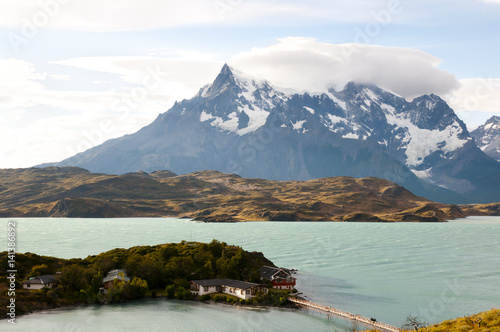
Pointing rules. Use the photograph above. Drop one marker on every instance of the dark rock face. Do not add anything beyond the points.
(239, 125)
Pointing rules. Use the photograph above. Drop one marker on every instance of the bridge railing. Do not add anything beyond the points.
(345, 314)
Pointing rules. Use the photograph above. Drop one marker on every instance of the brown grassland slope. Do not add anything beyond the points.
(215, 196)
(488, 321)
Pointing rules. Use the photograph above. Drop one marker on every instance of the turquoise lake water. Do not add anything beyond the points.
(388, 271)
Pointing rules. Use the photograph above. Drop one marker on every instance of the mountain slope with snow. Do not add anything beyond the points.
(487, 137)
(246, 126)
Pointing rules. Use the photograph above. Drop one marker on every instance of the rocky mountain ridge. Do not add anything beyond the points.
(242, 125)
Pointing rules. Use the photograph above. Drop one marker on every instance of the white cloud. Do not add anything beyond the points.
(141, 80)
(60, 77)
(497, 2)
(111, 15)
(177, 78)
(19, 82)
(23, 86)
(53, 138)
(101, 82)
(476, 94)
(43, 124)
(308, 65)
(123, 15)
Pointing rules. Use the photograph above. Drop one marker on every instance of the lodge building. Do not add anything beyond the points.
(279, 277)
(241, 289)
(46, 281)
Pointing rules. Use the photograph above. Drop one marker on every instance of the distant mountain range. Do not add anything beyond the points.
(242, 125)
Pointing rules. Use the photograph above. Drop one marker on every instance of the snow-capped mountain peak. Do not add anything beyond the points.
(487, 137)
(412, 131)
(248, 126)
(249, 100)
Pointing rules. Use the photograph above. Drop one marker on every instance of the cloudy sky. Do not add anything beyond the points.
(77, 72)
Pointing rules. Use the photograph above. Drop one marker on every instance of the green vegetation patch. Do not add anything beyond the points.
(154, 270)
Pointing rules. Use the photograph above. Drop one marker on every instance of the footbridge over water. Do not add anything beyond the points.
(346, 315)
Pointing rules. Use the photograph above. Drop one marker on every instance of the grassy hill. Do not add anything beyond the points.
(488, 321)
(215, 197)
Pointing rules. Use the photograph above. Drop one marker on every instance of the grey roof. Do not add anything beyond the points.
(46, 279)
(225, 282)
(115, 274)
(267, 272)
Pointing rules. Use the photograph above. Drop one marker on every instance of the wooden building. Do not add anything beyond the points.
(241, 289)
(117, 275)
(279, 277)
(46, 281)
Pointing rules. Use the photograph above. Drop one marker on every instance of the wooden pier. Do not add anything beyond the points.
(346, 315)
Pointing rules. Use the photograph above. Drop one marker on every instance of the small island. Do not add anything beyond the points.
(212, 271)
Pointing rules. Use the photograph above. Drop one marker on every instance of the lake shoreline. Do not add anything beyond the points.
(211, 302)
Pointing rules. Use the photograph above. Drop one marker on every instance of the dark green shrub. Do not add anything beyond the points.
(220, 298)
(205, 297)
(170, 291)
(182, 293)
(182, 283)
(52, 297)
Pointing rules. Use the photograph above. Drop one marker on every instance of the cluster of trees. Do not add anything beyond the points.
(162, 265)
(171, 266)
(167, 266)
(121, 291)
